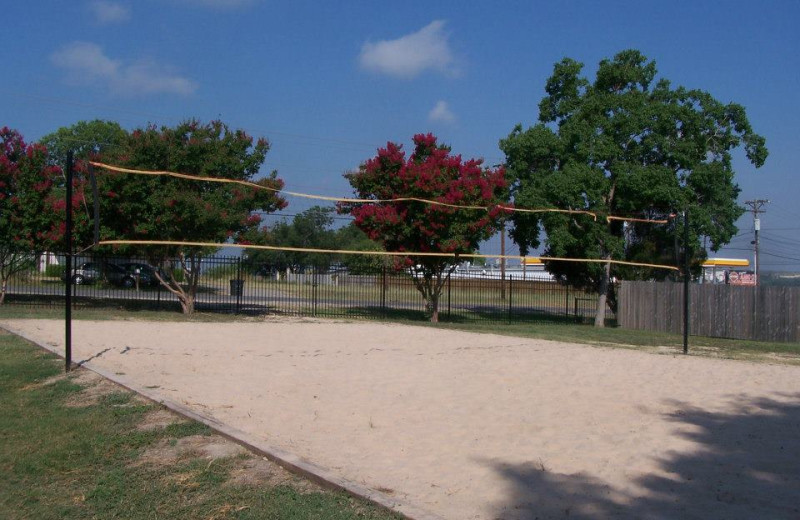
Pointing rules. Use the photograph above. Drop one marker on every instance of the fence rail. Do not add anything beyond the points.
(227, 284)
(723, 311)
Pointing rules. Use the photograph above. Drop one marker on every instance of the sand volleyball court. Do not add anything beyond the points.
(478, 426)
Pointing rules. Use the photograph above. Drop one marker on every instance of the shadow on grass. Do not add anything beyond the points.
(461, 315)
(746, 465)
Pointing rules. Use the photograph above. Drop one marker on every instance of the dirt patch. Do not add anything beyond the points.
(82, 377)
(169, 451)
(250, 470)
(95, 388)
(157, 420)
(259, 471)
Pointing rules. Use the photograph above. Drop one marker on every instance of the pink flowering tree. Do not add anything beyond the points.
(31, 212)
(137, 207)
(431, 173)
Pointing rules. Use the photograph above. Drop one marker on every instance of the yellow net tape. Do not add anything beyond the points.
(376, 253)
(369, 201)
(335, 199)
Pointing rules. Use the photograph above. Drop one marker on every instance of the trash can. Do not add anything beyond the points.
(237, 287)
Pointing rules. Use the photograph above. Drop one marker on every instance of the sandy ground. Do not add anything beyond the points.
(478, 426)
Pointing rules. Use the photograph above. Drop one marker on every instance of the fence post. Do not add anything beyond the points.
(510, 293)
(314, 290)
(449, 283)
(240, 287)
(566, 301)
(383, 290)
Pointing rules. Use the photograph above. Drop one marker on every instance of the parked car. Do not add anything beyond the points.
(92, 272)
(145, 272)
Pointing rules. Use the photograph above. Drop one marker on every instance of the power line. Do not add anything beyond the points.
(268, 214)
(781, 256)
(778, 238)
(782, 209)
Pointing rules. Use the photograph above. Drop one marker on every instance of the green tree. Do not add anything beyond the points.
(140, 207)
(85, 139)
(431, 173)
(309, 229)
(31, 215)
(354, 239)
(625, 144)
(313, 228)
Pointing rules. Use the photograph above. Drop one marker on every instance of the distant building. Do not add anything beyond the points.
(529, 269)
(733, 271)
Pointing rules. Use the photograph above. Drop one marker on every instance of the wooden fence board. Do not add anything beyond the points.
(724, 311)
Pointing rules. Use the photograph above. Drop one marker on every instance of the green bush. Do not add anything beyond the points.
(219, 272)
(54, 271)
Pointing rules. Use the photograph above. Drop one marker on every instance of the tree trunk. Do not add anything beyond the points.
(600, 315)
(185, 297)
(434, 304)
(187, 304)
(3, 289)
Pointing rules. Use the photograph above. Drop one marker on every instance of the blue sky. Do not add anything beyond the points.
(329, 82)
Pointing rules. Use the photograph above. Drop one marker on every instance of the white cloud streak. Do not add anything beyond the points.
(410, 55)
(441, 113)
(106, 12)
(85, 63)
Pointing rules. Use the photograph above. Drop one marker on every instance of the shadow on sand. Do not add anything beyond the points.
(746, 466)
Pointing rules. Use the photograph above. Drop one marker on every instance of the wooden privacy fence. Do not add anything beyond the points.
(720, 311)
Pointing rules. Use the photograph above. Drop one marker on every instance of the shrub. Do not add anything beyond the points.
(54, 271)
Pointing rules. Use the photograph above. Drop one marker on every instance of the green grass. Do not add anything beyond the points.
(639, 339)
(59, 461)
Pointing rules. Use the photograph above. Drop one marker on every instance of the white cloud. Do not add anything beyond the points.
(441, 113)
(106, 12)
(86, 64)
(408, 56)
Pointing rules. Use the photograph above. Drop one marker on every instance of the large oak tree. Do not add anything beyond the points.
(625, 144)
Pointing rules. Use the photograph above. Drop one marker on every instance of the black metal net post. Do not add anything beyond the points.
(68, 266)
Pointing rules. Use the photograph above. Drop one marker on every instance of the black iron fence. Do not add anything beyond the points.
(228, 284)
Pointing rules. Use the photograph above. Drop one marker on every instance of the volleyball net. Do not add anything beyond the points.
(278, 275)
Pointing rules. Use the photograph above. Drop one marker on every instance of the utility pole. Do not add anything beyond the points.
(755, 209)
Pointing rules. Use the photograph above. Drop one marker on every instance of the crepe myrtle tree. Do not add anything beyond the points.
(140, 207)
(32, 207)
(625, 144)
(431, 173)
